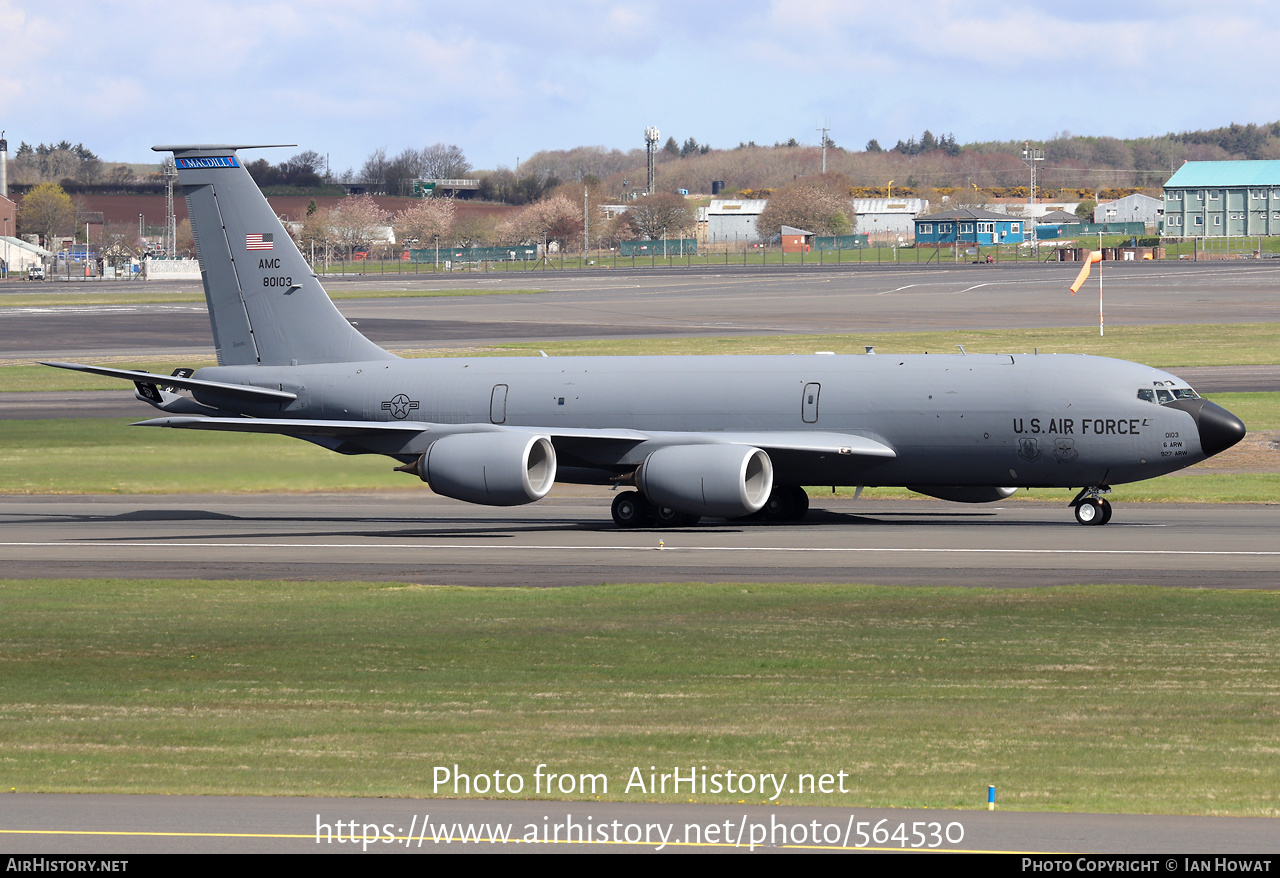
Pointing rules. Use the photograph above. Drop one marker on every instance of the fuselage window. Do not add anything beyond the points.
(1164, 396)
(1146, 394)
(1185, 393)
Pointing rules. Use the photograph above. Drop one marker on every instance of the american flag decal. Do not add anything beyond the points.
(258, 241)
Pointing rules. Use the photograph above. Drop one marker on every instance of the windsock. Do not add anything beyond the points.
(1094, 256)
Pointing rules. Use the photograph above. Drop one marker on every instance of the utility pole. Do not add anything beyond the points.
(1029, 158)
(824, 131)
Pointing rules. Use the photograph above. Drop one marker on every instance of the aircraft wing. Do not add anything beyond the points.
(238, 391)
(380, 431)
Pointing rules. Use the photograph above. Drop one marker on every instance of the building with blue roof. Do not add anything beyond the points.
(1216, 199)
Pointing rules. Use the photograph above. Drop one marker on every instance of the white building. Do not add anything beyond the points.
(733, 221)
(19, 255)
(887, 215)
(1136, 208)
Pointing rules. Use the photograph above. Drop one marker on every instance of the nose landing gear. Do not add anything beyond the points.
(1090, 507)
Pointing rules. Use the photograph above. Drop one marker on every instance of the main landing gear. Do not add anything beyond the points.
(1092, 508)
(633, 509)
(785, 503)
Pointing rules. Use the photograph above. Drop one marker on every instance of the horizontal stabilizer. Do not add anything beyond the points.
(240, 391)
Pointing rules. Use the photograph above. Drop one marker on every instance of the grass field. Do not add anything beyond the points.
(1103, 699)
(107, 456)
(1165, 347)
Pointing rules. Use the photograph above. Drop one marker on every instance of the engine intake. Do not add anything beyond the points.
(723, 481)
(494, 469)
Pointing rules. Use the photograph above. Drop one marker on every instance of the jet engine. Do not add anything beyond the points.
(963, 493)
(722, 481)
(495, 469)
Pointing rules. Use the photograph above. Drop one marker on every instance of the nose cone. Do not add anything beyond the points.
(1219, 429)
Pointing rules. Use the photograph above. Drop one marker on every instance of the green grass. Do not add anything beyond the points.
(133, 297)
(1165, 347)
(1103, 699)
(105, 456)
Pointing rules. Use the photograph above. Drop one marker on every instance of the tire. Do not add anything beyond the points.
(1089, 512)
(1106, 512)
(630, 509)
(665, 516)
(785, 503)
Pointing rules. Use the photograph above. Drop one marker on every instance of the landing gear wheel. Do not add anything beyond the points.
(800, 503)
(630, 509)
(785, 503)
(665, 516)
(1091, 510)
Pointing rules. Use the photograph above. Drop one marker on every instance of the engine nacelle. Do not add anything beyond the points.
(963, 493)
(722, 481)
(496, 469)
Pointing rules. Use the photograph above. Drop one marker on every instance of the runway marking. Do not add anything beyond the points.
(650, 548)
(899, 289)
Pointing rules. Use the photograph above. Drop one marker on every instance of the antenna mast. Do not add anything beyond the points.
(170, 172)
(650, 146)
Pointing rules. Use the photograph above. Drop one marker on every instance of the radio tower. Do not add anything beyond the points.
(650, 146)
(170, 172)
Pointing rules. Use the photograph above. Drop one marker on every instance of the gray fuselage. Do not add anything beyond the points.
(1049, 420)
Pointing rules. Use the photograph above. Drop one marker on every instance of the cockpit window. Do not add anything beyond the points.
(1166, 392)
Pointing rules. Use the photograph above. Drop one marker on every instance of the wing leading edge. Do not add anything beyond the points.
(415, 432)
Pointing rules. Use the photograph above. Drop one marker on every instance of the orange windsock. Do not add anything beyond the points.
(1094, 256)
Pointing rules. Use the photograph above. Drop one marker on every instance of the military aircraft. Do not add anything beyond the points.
(688, 436)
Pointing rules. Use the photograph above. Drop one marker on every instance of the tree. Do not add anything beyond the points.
(444, 162)
(671, 146)
(557, 218)
(400, 172)
(873, 145)
(1085, 210)
(185, 240)
(374, 170)
(355, 220)
(47, 211)
(808, 204)
(650, 215)
(475, 230)
(426, 220)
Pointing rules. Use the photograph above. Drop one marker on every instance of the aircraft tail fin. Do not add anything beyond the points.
(265, 304)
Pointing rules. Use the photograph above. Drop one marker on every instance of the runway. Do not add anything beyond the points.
(569, 539)
(111, 825)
